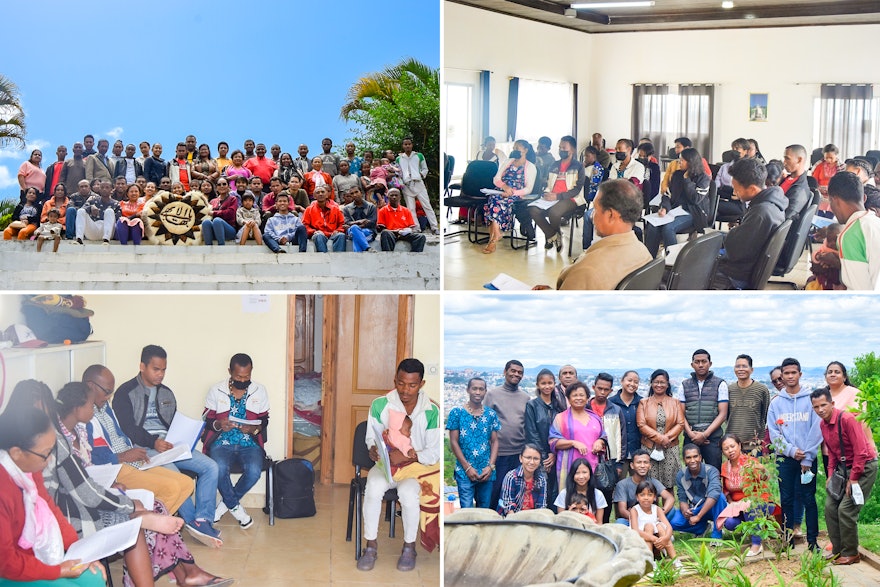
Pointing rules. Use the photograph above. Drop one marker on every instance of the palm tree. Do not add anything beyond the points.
(12, 127)
(382, 86)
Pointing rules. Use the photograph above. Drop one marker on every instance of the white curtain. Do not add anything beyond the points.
(847, 117)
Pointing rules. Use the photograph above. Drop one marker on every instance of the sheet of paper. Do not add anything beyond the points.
(145, 496)
(255, 303)
(822, 222)
(504, 282)
(184, 431)
(384, 459)
(243, 421)
(490, 191)
(104, 543)
(656, 200)
(657, 220)
(178, 453)
(104, 475)
(543, 204)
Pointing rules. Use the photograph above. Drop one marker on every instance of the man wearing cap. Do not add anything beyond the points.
(394, 222)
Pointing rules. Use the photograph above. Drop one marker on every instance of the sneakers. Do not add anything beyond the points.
(240, 514)
(204, 532)
(220, 512)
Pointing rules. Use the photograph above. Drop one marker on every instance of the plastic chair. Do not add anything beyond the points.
(477, 175)
(646, 277)
(768, 256)
(360, 458)
(795, 243)
(695, 263)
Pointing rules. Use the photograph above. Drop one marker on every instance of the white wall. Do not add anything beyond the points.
(481, 40)
(787, 63)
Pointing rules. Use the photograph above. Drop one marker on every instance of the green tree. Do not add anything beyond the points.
(12, 127)
(402, 100)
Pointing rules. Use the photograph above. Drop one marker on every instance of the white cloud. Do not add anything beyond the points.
(7, 178)
(10, 152)
(115, 132)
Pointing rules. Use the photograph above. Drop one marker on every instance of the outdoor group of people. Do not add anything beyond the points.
(622, 455)
(275, 199)
(49, 500)
(755, 197)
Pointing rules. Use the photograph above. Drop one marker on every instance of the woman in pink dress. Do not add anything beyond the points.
(576, 432)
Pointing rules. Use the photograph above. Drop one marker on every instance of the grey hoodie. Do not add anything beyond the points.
(743, 243)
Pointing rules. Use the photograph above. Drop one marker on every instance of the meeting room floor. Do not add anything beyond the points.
(305, 552)
(466, 267)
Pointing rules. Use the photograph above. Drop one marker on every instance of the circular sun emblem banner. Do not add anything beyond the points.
(173, 219)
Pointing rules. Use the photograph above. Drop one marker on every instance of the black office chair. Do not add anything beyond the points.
(447, 176)
(768, 256)
(573, 222)
(695, 264)
(477, 175)
(521, 216)
(795, 243)
(360, 458)
(646, 277)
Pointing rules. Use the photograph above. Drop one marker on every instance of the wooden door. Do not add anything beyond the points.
(365, 337)
(300, 352)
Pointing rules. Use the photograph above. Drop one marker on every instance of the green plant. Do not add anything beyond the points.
(815, 571)
(665, 573)
(866, 376)
(703, 561)
(6, 209)
(779, 576)
(736, 578)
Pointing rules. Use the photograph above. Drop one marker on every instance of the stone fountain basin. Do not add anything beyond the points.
(538, 547)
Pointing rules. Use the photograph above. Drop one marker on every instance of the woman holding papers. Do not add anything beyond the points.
(34, 534)
(514, 179)
(688, 200)
(236, 416)
(89, 506)
(564, 193)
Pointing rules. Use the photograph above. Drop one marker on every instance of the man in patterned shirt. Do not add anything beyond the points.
(473, 437)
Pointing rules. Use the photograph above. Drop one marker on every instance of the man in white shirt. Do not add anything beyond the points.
(413, 170)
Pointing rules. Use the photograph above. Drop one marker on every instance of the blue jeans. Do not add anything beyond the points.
(299, 237)
(337, 241)
(218, 229)
(667, 231)
(206, 473)
(680, 524)
(790, 489)
(251, 460)
(70, 222)
(360, 238)
(469, 490)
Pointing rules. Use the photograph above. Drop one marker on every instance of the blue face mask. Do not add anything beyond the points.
(806, 477)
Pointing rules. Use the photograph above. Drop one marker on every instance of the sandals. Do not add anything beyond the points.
(490, 247)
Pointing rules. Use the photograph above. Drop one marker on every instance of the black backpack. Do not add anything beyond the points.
(294, 489)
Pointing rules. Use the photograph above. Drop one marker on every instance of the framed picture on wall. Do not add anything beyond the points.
(758, 107)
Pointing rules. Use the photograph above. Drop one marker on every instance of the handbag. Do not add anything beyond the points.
(605, 474)
(836, 487)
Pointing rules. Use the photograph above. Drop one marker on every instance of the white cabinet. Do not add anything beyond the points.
(54, 365)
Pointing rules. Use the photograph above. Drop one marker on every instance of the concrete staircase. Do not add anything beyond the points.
(96, 266)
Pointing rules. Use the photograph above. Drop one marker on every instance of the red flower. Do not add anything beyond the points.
(765, 496)
(780, 421)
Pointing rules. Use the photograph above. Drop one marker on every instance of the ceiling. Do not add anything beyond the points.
(688, 14)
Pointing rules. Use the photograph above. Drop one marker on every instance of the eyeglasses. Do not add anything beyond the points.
(107, 392)
(42, 456)
(777, 380)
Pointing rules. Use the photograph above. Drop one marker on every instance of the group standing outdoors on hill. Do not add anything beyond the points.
(681, 458)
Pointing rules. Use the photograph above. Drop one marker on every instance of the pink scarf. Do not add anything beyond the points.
(41, 531)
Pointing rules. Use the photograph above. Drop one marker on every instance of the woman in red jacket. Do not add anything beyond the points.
(33, 532)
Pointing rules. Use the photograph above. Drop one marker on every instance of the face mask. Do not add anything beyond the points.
(241, 384)
(806, 477)
(564, 154)
(643, 161)
(620, 156)
(515, 154)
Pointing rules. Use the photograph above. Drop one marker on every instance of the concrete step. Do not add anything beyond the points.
(230, 267)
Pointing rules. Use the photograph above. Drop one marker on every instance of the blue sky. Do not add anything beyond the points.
(657, 330)
(276, 71)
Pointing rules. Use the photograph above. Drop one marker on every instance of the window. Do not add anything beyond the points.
(458, 101)
(846, 115)
(540, 109)
(662, 113)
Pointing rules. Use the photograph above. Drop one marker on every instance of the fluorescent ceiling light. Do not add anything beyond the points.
(727, 4)
(592, 5)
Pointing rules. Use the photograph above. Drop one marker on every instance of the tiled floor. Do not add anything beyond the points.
(466, 267)
(306, 551)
